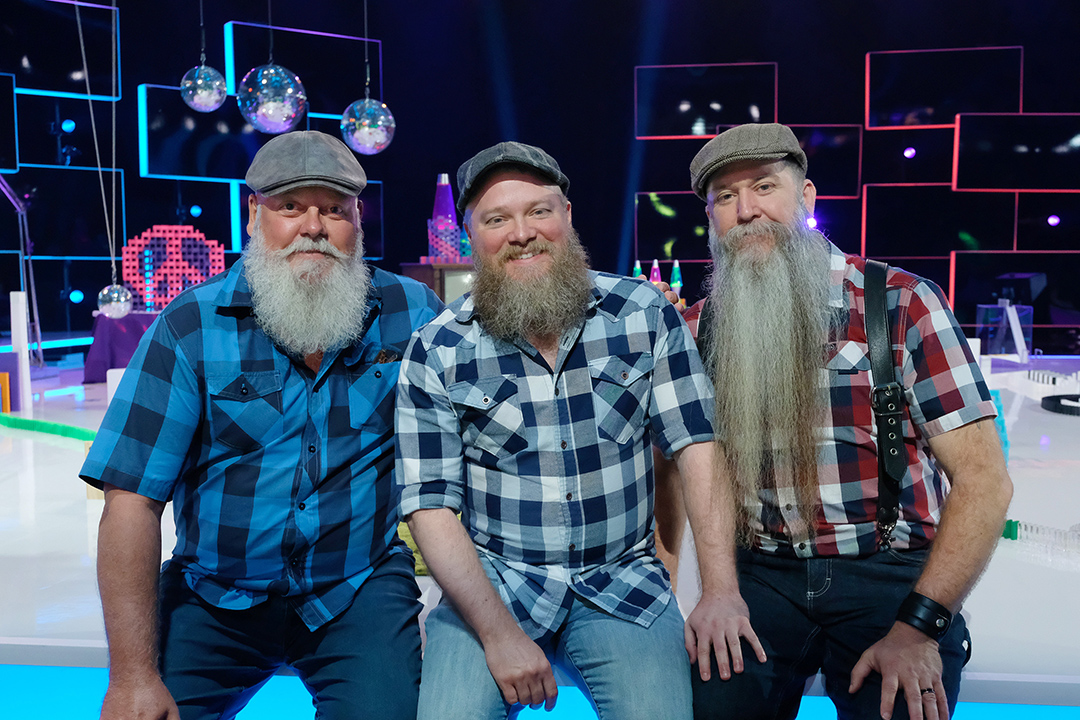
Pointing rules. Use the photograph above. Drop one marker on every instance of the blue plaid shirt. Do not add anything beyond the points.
(280, 478)
(552, 471)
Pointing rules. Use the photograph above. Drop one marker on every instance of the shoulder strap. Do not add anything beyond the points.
(886, 399)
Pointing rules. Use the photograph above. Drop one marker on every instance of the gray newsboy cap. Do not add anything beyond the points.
(473, 170)
(304, 158)
(757, 141)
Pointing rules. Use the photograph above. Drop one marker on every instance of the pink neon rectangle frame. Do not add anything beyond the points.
(659, 192)
(862, 239)
(858, 185)
(954, 253)
(956, 156)
(776, 95)
(866, 86)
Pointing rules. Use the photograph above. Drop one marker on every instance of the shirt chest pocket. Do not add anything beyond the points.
(621, 389)
(490, 415)
(245, 410)
(851, 358)
(371, 398)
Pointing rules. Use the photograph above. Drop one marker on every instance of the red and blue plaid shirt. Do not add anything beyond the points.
(944, 390)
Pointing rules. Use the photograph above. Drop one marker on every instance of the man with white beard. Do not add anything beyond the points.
(875, 607)
(530, 407)
(260, 402)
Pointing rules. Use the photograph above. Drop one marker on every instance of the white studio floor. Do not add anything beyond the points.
(1023, 614)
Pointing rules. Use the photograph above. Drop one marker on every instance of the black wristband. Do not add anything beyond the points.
(925, 615)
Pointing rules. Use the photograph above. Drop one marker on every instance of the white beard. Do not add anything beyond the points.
(308, 307)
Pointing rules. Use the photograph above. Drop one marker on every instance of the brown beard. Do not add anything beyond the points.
(534, 306)
(770, 325)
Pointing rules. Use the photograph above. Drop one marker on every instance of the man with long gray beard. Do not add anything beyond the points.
(873, 606)
(530, 406)
(260, 402)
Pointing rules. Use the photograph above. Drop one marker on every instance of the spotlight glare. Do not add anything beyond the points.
(76, 296)
(811, 222)
(1053, 221)
(685, 106)
(909, 152)
(755, 112)
(68, 126)
(196, 211)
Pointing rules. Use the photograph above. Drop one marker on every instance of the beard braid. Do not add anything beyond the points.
(308, 307)
(771, 322)
(511, 309)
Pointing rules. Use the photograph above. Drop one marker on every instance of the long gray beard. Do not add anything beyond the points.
(533, 307)
(771, 322)
(302, 310)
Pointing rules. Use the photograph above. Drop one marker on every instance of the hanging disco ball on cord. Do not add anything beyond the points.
(367, 126)
(272, 99)
(114, 301)
(203, 89)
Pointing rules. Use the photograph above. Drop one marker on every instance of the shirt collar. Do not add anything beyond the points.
(838, 266)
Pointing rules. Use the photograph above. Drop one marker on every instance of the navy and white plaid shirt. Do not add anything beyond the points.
(552, 471)
(280, 478)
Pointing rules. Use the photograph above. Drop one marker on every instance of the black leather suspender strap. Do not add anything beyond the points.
(886, 399)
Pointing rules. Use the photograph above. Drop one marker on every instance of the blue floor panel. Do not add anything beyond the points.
(75, 693)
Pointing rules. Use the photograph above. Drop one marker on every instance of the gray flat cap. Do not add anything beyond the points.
(764, 141)
(304, 158)
(471, 173)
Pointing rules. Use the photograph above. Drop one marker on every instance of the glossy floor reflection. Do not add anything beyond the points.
(1022, 614)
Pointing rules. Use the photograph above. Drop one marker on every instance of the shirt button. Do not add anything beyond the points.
(625, 375)
(569, 496)
(302, 506)
(243, 389)
(788, 506)
(802, 546)
(563, 445)
(311, 448)
(556, 391)
(572, 546)
(378, 373)
(486, 400)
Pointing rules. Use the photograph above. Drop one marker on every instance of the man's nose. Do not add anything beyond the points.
(312, 225)
(522, 231)
(748, 207)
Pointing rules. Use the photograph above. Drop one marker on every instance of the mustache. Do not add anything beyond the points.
(513, 252)
(756, 228)
(304, 244)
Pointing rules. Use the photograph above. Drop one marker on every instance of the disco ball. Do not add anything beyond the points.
(114, 301)
(272, 99)
(367, 126)
(203, 89)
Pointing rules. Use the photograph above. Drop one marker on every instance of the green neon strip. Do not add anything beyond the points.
(43, 426)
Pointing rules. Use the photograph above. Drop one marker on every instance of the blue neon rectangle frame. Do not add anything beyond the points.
(92, 96)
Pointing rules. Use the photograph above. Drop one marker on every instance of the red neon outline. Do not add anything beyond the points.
(776, 95)
(952, 268)
(956, 157)
(866, 88)
(858, 184)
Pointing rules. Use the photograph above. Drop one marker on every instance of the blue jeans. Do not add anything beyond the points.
(365, 663)
(630, 671)
(821, 614)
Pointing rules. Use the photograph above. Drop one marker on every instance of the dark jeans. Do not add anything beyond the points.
(363, 664)
(820, 614)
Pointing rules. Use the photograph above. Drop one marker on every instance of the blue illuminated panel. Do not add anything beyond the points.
(53, 67)
(308, 54)
(9, 126)
(66, 217)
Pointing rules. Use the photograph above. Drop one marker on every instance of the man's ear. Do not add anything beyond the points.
(359, 209)
(809, 195)
(253, 207)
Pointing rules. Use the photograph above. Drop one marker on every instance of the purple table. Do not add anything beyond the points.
(114, 343)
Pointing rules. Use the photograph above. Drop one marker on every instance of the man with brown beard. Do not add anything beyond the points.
(530, 407)
(829, 587)
(260, 402)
